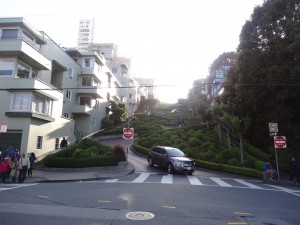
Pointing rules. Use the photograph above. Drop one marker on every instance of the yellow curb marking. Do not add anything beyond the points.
(237, 223)
(242, 213)
(45, 197)
(106, 201)
(169, 207)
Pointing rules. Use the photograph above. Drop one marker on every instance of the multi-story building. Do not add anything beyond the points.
(85, 34)
(120, 67)
(31, 101)
(48, 92)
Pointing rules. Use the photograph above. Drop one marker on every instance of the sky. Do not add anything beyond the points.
(171, 41)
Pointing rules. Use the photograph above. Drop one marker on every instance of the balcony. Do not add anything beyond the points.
(96, 92)
(81, 109)
(26, 52)
(34, 84)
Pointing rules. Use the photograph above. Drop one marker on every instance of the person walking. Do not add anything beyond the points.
(24, 165)
(63, 143)
(4, 169)
(10, 151)
(14, 168)
(32, 159)
(294, 170)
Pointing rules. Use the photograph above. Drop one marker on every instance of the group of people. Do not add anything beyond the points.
(15, 166)
(272, 173)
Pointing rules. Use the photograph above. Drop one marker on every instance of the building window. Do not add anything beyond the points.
(23, 71)
(88, 62)
(114, 70)
(7, 67)
(97, 105)
(67, 115)
(42, 105)
(85, 101)
(56, 146)
(34, 73)
(21, 102)
(68, 95)
(94, 122)
(70, 72)
(130, 96)
(9, 33)
(39, 143)
(86, 81)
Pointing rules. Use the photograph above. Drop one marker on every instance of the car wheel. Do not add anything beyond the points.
(170, 168)
(150, 162)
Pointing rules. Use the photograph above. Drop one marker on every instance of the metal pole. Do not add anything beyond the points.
(277, 165)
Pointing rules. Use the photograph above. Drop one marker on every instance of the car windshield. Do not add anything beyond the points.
(174, 152)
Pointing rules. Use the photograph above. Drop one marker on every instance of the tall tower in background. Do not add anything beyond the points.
(85, 34)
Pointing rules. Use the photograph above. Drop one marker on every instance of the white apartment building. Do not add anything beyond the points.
(31, 106)
(120, 67)
(85, 34)
(47, 92)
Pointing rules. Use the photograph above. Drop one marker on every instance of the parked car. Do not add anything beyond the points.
(172, 159)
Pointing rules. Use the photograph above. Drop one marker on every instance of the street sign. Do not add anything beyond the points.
(273, 127)
(128, 133)
(280, 142)
(3, 127)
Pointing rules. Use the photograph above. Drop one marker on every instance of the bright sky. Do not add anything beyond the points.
(172, 41)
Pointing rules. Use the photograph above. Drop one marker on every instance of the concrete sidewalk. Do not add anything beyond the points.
(66, 174)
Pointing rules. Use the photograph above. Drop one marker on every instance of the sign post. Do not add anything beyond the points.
(128, 133)
(279, 142)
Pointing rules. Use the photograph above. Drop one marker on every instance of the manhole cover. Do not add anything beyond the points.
(139, 216)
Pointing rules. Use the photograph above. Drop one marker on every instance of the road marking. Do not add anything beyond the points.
(242, 213)
(10, 186)
(237, 223)
(286, 190)
(194, 180)
(220, 182)
(167, 179)
(247, 184)
(42, 196)
(111, 181)
(141, 178)
(169, 206)
(104, 201)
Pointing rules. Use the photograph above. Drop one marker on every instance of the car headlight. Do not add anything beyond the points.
(179, 164)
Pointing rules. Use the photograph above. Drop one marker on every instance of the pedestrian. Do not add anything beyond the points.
(10, 151)
(24, 165)
(294, 170)
(32, 159)
(269, 172)
(63, 143)
(14, 168)
(4, 169)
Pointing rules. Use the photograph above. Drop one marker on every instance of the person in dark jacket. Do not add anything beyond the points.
(63, 143)
(294, 170)
(32, 159)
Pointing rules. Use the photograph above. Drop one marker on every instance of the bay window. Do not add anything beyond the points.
(7, 67)
(21, 102)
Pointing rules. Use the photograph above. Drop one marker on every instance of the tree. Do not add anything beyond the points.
(265, 77)
(117, 114)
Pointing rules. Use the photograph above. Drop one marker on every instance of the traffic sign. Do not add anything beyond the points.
(3, 127)
(273, 127)
(128, 133)
(280, 142)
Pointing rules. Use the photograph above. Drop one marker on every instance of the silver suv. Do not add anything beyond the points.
(173, 159)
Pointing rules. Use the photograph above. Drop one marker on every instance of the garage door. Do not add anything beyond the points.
(10, 138)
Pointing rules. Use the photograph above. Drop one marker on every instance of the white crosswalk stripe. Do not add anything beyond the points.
(194, 180)
(248, 184)
(220, 182)
(141, 178)
(167, 179)
(10, 186)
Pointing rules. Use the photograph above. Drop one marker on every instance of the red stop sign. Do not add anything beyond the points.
(128, 133)
(280, 142)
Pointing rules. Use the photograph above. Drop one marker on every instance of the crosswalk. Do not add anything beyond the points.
(143, 177)
(11, 186)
